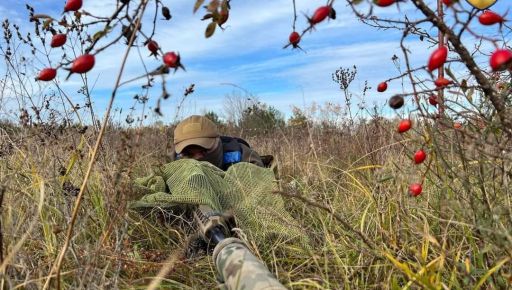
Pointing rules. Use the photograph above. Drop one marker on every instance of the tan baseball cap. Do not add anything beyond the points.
(195, 130)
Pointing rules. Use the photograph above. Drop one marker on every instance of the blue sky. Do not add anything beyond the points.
(247, 54)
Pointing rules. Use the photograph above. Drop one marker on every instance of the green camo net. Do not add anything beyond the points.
(244, 190)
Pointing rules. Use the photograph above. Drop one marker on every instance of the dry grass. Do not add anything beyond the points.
(347, 187)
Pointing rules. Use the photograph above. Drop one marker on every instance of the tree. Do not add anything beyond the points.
(299, 119)
(261, 118)
(214, 118)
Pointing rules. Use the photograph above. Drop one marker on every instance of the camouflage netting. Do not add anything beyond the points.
(244, 189)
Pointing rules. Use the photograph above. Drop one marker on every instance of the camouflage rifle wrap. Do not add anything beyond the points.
(240, 269)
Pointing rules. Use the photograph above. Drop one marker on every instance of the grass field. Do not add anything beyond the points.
(346, 186)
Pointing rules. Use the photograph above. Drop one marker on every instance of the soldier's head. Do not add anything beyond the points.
(197, 137)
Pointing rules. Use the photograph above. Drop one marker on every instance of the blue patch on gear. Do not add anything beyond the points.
(232, 157)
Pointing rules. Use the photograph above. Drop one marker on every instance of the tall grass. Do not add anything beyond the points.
(346, 186)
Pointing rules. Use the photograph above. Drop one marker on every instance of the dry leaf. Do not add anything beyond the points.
(198, 4)
(210, 29)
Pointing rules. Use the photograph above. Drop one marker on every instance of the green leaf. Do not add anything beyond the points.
(101, 33)
(490, 272)
(98, 35)
(210, 29)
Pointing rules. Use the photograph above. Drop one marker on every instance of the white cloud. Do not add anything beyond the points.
(249, 54)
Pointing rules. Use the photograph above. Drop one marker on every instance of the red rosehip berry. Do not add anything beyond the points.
(320, 14)
(83, 64)
(173, 60)
(72, 5)
(419, 156)
(58, 40)
(382, 87)
(47, 74)
(294, 38)
(450, 2)
(437, 58)
(432, 99)
(384, 3)
(501, 59)
(404, 126)
(442, 82)
(415, 189)
(490, 18)
(153, 47)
